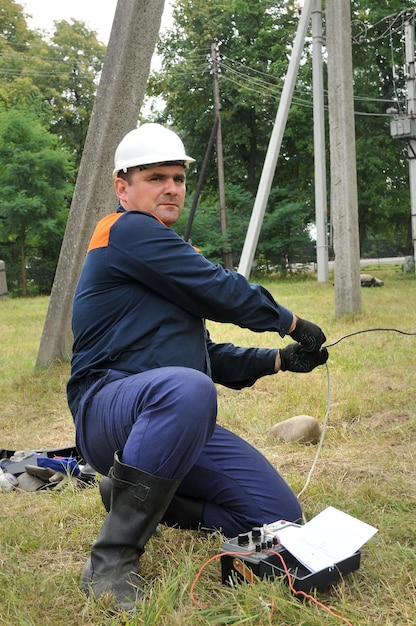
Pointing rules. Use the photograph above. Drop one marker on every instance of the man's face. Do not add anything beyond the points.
(159, 190)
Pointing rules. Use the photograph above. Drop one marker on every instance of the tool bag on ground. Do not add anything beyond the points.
(33, 470)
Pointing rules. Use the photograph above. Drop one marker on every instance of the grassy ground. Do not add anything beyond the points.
(366, 468)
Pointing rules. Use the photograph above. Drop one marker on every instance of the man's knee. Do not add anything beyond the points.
(198, 390)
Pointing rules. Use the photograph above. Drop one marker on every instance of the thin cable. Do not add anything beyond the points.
(296, 592)
(299, 592)
(328, 401)
(321, 439)
(368, 330)
(394, 23)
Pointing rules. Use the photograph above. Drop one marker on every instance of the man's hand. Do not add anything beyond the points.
(294, 358)
(308, 334)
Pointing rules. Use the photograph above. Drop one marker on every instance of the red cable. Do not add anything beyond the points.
(289, 578)
(201, 569)
(304, 594)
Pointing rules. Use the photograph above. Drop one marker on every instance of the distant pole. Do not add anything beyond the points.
(201, 180)
(226, 251)
(403, 126)
(319, 146)
(411, 114)
(275, 143)
(3, 281)
(116, 110)
(344, 201)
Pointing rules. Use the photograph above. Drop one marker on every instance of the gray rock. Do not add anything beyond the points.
(300, 428)
(367, 280)
(408, 265)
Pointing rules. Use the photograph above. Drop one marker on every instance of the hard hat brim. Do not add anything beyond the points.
(186, 161)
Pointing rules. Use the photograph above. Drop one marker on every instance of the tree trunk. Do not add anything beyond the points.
(23, 259)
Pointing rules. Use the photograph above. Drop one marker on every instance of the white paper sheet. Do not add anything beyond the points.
(327, 539)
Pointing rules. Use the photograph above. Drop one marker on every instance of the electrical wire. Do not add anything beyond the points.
(271, 84)
(296, 592)
(323, 430)
(395, 23)
(328, 402)
(248, 78)
(368, 330)
(275, 552)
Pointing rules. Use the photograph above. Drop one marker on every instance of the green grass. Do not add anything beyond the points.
(366, 468)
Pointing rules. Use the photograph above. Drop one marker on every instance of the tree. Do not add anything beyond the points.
(13, 26)
(76, 57)
(57, 78)
(34, 194)
(253, 46)
(382, 167)
(254, 43)
(53, 81)
(21, 57)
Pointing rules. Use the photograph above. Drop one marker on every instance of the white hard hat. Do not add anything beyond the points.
(147, 144)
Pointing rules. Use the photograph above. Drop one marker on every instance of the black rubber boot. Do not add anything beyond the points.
(138, 503)
(105, 491)
(183, 511)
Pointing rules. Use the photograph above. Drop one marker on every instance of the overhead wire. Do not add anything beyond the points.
(248, 78)
(251, 86)
(398, 18)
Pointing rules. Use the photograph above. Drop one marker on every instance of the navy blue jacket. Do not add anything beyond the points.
(141, 300)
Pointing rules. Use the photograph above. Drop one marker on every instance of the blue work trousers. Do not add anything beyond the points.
(164, 421)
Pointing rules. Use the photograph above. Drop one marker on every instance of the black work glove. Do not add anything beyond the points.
(294, 358)
(309, 335)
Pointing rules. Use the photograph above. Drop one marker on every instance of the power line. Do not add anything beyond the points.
(234, 71)
(395, 23)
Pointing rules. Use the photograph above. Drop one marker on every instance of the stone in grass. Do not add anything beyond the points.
(300, 428)
(367, 280)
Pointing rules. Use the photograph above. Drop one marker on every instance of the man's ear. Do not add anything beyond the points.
(120, 187)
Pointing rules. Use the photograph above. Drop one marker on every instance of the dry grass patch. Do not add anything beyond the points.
(366, 467)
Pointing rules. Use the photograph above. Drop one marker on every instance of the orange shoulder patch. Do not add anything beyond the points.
(101, 233)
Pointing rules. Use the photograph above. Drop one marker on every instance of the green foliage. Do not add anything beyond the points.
(382, 164)
(56, 78)
(34, 194)
(21, 59)
(47, 92)
(284, 237)
(79, 55)
(13, 27)
(206, 230)
(254, 41)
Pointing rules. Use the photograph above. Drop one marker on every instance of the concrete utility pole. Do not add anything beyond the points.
(275, 143)
(119, 98)
(404, 127)
(3, 281)
(344, 202)
(319, 145)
